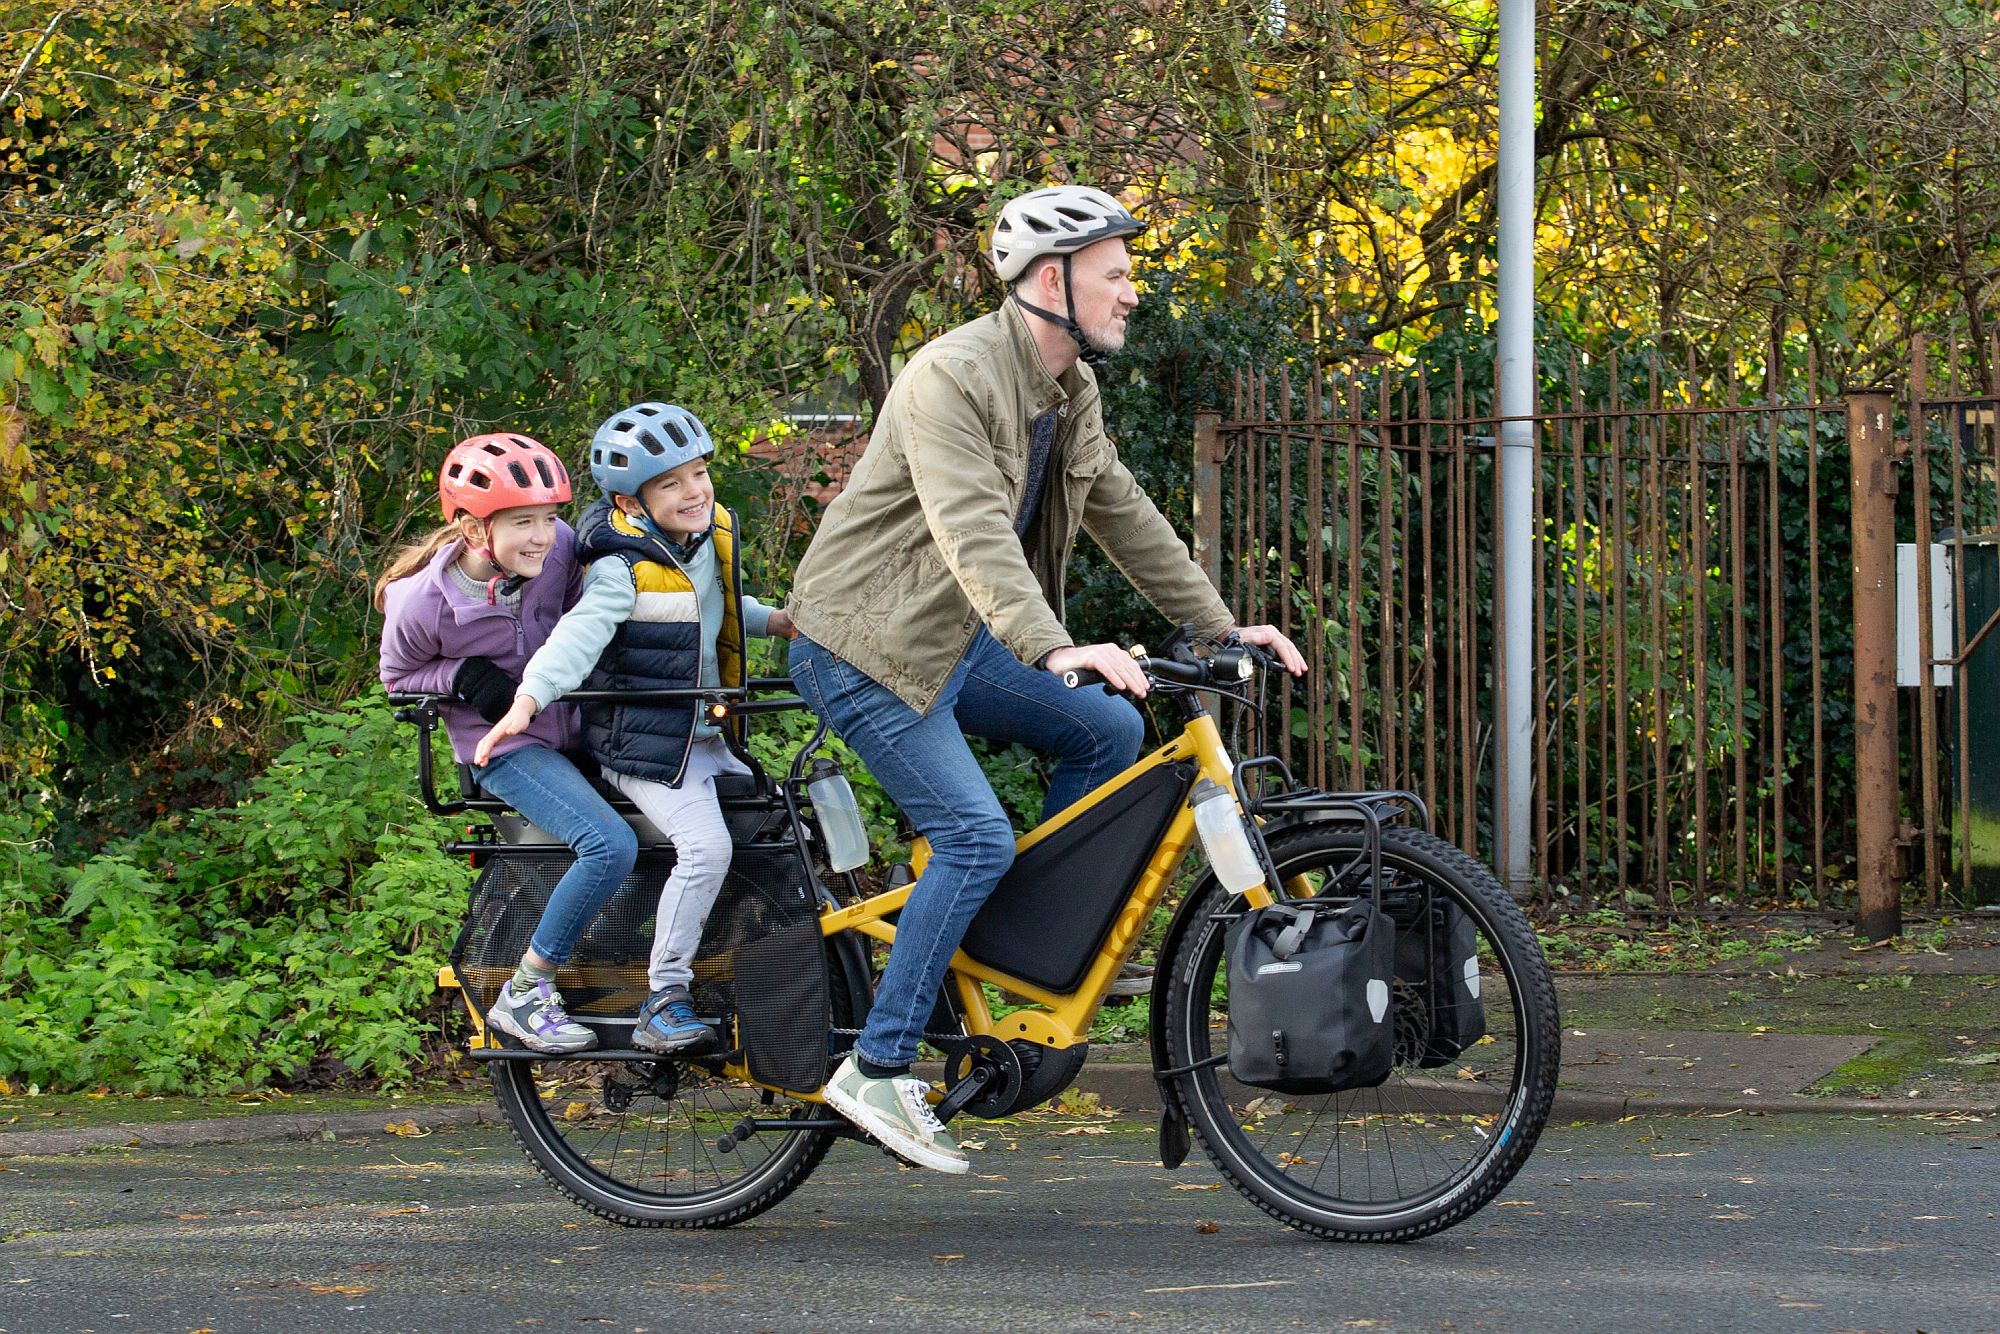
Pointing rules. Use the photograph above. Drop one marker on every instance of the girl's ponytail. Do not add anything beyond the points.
(412, 558)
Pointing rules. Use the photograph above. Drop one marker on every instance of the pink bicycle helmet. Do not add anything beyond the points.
(485, 474)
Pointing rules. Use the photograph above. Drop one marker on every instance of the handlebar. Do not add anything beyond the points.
(736, 702)
(1226, 668)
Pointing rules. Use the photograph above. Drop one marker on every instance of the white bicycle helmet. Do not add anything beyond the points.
(1059, 220)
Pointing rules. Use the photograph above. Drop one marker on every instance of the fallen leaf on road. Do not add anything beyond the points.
(406, 1129)
(947, 1259)
(1207, 1228)
(576, 1111)
(1196, 1185)
(411, 1209)
(344, 1289)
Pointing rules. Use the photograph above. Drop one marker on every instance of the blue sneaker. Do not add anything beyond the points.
(667, 1023)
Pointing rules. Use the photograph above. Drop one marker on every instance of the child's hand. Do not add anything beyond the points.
(780, 625)
(512, 723)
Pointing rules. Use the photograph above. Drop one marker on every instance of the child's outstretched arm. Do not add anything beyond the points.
(762, 622)
(572, 649)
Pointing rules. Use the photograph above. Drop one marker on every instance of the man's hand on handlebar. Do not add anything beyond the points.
(1269, 637)
(1109, 661)
(513, 724)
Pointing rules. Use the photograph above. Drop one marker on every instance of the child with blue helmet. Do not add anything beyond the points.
(662, 608)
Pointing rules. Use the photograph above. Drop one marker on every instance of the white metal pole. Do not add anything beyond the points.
(1515, 537)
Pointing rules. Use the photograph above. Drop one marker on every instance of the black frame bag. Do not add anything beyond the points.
(1310, 996)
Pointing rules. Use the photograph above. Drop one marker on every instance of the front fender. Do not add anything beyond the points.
(1163, 984)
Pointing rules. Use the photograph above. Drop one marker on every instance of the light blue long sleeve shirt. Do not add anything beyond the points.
(609, 595)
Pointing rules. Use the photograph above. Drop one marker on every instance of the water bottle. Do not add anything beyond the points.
(839, 817)
(1224, 838)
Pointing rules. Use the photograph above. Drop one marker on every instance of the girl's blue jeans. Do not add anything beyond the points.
(923, 762)
(543, 785)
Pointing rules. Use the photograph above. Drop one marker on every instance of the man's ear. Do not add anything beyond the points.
(1049, 280)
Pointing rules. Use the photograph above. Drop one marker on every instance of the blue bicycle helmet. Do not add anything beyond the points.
(637, 445)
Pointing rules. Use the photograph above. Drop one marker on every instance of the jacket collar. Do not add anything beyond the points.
(462, 608)
(1076, 387)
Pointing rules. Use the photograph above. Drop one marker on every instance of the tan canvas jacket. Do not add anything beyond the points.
(919, 547)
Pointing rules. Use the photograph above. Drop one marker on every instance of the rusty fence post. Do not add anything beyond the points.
(1208, 494)
(1871, 450)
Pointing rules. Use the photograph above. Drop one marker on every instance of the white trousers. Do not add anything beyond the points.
(691, 818)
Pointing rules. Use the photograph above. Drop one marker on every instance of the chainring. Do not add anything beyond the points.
(979, 1051)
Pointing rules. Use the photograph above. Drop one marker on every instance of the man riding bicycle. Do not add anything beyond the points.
(929, 604)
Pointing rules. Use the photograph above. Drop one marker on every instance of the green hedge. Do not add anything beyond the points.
(243, 945)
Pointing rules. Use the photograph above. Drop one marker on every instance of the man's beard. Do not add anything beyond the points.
(1106, 337)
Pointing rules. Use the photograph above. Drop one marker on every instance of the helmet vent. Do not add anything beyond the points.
(520, 474)
(623, 424)
(542, 469)
(493, 449)
(651, 442)
(480, 480)
(674, 430)
(619, 459)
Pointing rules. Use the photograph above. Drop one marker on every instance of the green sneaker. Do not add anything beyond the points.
(897, 1114)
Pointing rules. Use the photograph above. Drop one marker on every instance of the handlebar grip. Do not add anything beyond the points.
(1078, 677)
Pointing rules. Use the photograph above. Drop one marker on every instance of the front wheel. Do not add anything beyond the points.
(1470, 1089)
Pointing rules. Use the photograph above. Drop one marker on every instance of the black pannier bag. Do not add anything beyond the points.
(1440, 1011)
(1309, 996)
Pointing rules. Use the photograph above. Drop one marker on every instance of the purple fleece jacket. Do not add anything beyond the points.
(430, 628)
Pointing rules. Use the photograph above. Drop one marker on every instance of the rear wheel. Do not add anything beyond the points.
(644, 1144)
(1459, 1112)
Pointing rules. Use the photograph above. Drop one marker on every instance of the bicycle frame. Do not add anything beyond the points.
(1066, 1020)
(1063, 1017)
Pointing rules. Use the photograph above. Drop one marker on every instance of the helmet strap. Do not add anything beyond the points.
(1088, 352)
(681, 549)
(505, 583)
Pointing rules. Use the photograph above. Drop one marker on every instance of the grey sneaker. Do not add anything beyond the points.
(897, 1114)
(539, 1020)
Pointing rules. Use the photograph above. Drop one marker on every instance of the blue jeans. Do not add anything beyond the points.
(543, 785)
(923, 762)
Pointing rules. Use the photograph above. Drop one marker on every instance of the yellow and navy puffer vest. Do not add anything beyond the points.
(659, 648)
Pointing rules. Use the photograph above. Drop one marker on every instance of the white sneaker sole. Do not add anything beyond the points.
(893, 1137)
(505, 1023)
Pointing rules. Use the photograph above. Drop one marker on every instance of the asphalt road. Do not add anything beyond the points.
(1794, 1223)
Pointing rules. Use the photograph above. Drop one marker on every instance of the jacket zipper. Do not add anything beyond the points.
(701, 637)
